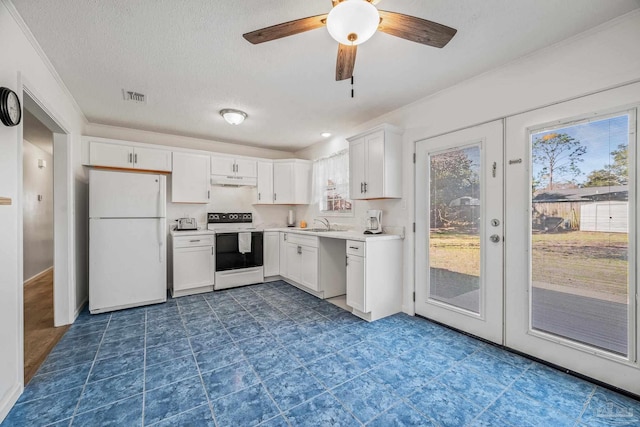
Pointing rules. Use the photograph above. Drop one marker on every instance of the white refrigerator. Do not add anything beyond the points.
(127, 240)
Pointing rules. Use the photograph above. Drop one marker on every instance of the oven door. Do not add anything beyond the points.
(228, 257)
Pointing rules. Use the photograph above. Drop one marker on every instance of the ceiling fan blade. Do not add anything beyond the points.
(286, 29)
(415, 29)
(346, 61)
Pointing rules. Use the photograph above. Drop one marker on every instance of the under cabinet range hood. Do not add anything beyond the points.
(234, 181)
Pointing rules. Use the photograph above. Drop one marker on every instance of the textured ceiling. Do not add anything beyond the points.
(190, 59)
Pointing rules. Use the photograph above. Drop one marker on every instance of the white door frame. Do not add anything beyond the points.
(64, 289)
(488, 324)
(615, 370)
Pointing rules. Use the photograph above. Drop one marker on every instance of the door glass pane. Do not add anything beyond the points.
(580, 233)
(454, 236)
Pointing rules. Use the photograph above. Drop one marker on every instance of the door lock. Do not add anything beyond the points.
(495, 222)
(495, 238)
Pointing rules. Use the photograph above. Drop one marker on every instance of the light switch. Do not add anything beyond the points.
(39, 197)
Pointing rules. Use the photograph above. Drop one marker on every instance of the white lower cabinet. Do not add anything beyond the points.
(309, 263)
(271, 253)
(374, 278)
(302, 260)
(356, 295)
(193, 264)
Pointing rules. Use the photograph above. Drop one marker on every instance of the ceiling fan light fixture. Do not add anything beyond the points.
(352, 22)
(233, 117)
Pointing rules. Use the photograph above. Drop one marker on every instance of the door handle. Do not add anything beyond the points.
(346, 261)
(258, 196)
(299, 249)
(495, 238)
(212, 250)
(208, 194)
(194, 241)
(365, 187)
(135, 158)
(362, 187)
(130, 157)
(275, 197)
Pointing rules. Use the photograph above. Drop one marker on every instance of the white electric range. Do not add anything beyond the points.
(239, 249)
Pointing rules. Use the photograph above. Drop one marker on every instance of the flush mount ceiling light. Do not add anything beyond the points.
(233, 117)
(325, 134)
(353, 22)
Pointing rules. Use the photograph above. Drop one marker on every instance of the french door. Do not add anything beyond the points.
(571, 235)
(540, 253)
(459, 238)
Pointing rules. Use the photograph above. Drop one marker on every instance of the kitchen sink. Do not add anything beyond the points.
(319, 230)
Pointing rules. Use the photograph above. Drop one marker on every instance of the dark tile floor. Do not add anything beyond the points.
(273, 355)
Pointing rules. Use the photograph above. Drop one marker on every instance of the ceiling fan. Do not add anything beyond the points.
(352, 22)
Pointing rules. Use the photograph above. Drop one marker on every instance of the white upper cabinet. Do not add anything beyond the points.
(291, 182)
(152, 159)
(264, 195)
(282, 183)
(375, 164)
(128, 157)
(222, 165)
(190, 178)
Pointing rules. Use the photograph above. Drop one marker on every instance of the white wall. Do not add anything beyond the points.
(21, 64)
(228, 199)
(601, 58)
(37, 215)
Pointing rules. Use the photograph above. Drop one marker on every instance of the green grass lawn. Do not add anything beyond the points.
(578, 259)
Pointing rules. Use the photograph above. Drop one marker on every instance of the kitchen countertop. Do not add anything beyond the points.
(199, 232)
(345, 235)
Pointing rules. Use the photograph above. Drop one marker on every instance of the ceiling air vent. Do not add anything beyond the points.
(132, 96)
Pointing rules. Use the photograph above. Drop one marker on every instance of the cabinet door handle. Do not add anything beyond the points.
(354, 247)
(346, 261)
(365, 187)
(130, 157)
(362, 187)
(258, 196)
(211, 250)
(194, 241)
(299, 249)
(208, 194)
(135, 158)
(275, 197)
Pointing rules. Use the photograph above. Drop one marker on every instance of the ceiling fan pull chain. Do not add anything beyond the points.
(352, 93)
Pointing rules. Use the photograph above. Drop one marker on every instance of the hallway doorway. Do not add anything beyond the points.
(38, 248)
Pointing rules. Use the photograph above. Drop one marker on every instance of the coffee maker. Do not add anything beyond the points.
(374, 223)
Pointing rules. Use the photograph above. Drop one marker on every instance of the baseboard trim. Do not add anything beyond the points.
(33, 279)
(79, 309)
(9, 400)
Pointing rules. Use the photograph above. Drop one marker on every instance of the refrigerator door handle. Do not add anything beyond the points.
(160, 241)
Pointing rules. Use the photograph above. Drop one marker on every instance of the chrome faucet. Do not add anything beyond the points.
(324, 221)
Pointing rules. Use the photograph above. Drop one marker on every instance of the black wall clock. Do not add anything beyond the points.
(10, 111)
